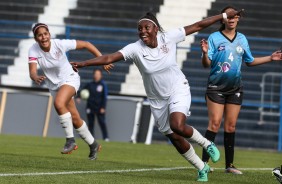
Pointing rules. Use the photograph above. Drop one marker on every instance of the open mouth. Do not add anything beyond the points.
(44, 43)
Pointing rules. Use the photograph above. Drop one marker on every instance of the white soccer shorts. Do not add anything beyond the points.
(179, 101)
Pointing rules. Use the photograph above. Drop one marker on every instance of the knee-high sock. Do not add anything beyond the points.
(198, 138)
(229, 139)
(193, 158)
(66, 122)
(210, 136)
(85, 134)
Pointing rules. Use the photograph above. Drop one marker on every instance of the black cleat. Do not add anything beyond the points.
(94, 149)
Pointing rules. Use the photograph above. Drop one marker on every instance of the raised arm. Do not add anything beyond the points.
(209, 21)
(206, 62)
(87, 45)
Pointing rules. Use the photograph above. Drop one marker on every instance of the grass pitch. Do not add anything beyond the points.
(26, 159)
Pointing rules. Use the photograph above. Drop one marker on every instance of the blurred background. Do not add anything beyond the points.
(26, 109)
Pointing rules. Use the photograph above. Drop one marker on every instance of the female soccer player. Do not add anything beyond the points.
(62, 81)
(224, 53)
(167, 88)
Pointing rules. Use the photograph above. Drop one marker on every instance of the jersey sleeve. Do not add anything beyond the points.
(247, 56)
(211, 49)
(68, 45)
(32, 55)
(176, 35)
(129, 51)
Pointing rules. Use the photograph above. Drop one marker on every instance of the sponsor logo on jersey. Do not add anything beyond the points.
(212, 86)
(221, 48)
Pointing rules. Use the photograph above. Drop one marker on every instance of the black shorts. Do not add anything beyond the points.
(235, 98)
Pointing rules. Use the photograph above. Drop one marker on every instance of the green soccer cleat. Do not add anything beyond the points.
(203, 174)
(213, 152)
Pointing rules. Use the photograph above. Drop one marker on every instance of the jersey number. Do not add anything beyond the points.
(231, 58)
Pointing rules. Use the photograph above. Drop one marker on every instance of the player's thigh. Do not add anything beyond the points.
(215, 113)
(64, 94)
(231, 114)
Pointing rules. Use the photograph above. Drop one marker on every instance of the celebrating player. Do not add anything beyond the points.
(62, 81)
(224, 53)
(167, 88)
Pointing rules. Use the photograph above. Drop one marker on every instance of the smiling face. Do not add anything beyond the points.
(147, 31)
(42, 37)
(231, 23)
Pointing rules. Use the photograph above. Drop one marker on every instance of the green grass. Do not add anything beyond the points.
(26, 154)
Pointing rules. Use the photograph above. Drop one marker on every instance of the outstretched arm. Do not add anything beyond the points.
(209, 21)
(102, 60)
(276, 56)
(87, 45)
(91, 48)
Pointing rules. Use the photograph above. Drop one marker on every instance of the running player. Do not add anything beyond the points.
(62, 81)
(224, 53)
(167, 88)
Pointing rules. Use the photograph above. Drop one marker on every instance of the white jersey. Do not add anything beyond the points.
(54, 63)
(158, 66)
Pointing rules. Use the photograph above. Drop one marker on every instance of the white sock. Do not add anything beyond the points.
(198, 138)
(84, 133)
(193, 158)
(66, 122)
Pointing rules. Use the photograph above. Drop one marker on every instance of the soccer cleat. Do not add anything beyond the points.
(213, 152)
(232, 169)
(94, 149)
(277, 172)
(69, 146)
(211, 169)
(203, 174)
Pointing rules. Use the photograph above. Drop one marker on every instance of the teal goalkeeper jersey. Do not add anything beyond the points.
(226, 59)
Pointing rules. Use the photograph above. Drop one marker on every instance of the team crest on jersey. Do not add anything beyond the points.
(239, 49)
(58, 54)
(221, 47)
(99, 88)
(164, 49)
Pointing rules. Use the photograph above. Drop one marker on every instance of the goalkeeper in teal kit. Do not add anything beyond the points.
(224, 53)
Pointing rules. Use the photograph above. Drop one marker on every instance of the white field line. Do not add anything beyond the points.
(118, 171)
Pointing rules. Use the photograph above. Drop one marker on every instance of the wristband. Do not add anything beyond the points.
(224, 15)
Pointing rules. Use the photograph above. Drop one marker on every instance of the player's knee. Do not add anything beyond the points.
(177, 127)
(230, 128)
(214, 125)
(59, 106)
